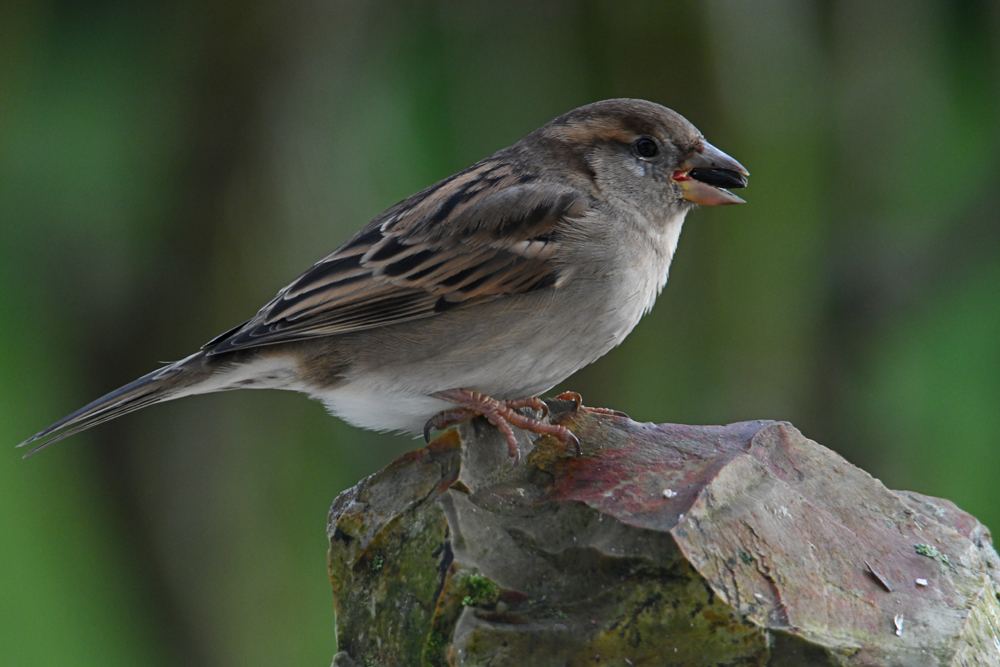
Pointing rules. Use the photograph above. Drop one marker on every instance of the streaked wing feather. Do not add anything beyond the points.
(479, 235)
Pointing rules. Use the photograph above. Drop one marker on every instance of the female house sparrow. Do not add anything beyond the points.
(490, 286)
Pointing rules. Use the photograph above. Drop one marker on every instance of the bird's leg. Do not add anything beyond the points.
(446, 418)
(499, 413)
(578, 399)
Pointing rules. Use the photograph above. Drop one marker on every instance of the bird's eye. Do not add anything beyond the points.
(646, 147)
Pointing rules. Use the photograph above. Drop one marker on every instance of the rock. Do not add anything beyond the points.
(745, 544)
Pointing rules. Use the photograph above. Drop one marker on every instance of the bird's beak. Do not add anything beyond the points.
(705, 175)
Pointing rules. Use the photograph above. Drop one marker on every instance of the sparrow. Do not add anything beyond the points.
(477, 294)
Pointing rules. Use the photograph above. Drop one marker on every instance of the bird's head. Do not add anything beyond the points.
(644, 152)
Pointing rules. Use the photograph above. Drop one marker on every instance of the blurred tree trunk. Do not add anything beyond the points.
(745, 544)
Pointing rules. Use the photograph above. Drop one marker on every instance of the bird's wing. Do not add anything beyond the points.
(482, 234)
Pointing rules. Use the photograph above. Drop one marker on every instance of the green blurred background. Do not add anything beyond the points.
(166, 168)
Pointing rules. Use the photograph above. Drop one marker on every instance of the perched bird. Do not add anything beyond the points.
(477, 294)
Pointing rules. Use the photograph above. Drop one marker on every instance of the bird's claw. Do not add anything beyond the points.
(501, 414)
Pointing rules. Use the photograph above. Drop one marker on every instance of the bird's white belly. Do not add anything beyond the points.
(373, 408)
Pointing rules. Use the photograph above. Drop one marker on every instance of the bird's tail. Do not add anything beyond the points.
(178, 379)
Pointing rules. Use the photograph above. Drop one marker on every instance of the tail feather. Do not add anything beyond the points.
(161, 385)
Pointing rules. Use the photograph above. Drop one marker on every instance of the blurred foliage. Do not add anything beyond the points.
(164, 169)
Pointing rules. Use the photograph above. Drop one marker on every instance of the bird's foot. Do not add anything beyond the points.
(499, 413)
(578, 399)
